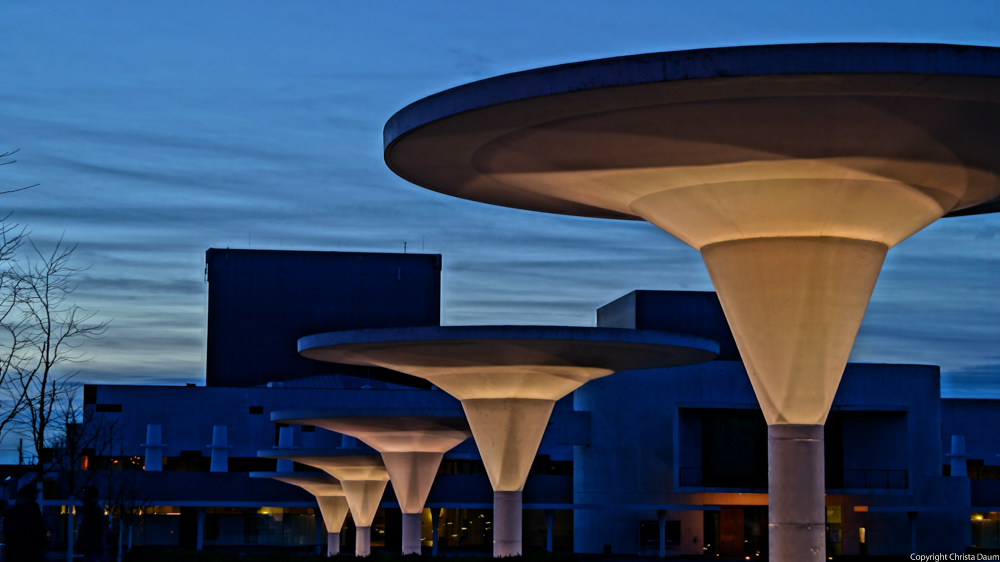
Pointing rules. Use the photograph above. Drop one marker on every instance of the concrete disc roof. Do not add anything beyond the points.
(386, 433)
(429, 350)
(565, 139)
(342, 467)
(316, 483)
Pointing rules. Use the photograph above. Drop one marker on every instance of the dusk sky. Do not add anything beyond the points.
(159, 129)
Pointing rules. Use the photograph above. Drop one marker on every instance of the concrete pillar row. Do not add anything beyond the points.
(796, 493)
(508, 379)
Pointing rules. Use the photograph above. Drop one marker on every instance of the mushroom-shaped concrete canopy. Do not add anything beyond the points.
(362, 477)
(411, 447)
(792, 168)
(329, 496)
(508, 379)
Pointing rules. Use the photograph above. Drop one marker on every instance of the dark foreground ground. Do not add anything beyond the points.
(175, 555)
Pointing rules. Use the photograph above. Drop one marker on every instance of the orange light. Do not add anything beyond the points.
(860, 508)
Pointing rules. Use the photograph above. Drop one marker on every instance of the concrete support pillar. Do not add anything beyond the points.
(220, 449)
(363, 541)
(661, 516)
(506, 524)
(332, 544)
(319, 533)
(154, 448)
(411, 533)
(508, 432)
(958, 465)
(796, 493)
(286, 440)
(334, 510)
(200, 518)
(412, 475)
(435, 521)
(71, 526)
(550, 518)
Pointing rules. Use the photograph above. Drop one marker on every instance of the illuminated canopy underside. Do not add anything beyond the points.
(328, 492)
(793, 169)
(411, 446)
(362, 477)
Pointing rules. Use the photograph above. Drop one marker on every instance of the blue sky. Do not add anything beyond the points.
(160, 129)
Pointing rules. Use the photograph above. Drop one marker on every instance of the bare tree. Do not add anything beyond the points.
(117, 473)
(15, 332)
(78, 433)
(8, 155)
(54, 329)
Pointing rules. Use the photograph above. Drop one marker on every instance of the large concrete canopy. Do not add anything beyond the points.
(553, 139)
(385, 434)
(540, 362)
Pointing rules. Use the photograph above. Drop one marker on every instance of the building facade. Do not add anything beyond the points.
(669, 461)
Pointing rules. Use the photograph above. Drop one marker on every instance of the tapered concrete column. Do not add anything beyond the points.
(661, 517)
(220, 449)
(363, 496)
(334, 510)
(363, 541)
(435, 521)
(959, 467)
(796, 497)
(507, 523)
(411, 533)
(550, 521)
(154, 448)
(71, 512)
(200, 517)
(508, 432)
(286, 440)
